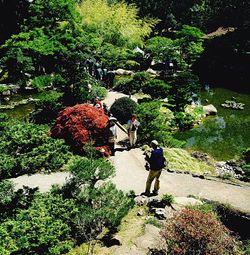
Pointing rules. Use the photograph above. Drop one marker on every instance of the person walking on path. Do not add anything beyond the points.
(111, 134)
(133, 125)
(156, 162)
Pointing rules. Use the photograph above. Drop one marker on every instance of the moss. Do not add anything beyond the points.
(131, 227)
(181, 160)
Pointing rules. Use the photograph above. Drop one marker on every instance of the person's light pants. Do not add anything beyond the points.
(153, 174)
(132, 138)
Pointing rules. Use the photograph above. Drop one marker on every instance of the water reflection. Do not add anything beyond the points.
(225, 135)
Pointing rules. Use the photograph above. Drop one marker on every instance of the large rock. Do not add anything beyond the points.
(123, 72)
(210, 109)
(150, 239)
(151, 71)
(141, 200)
(181, 202)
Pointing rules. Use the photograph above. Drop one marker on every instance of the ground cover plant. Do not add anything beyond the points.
(27, 148)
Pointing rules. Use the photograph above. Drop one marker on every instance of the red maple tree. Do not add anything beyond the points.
(81, 124)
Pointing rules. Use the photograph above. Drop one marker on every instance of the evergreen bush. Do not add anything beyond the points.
(156, 89)
(48, 107)
(28, 148)
(122, 109)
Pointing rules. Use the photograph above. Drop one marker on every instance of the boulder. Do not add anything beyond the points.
(123, 72)
(181, 202)
(6, 93)
(210, 109)
(201, 156)
(151, 71)
(150, 239)
(141, 200)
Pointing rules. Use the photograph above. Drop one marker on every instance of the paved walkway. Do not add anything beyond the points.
(131, 175)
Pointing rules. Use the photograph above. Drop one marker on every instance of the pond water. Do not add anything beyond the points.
(222, 136)
(20, 111)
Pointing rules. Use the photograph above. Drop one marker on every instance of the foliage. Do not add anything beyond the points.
(130, 65)
(153, 221)
(246, 163)
(84, 88)
(183, 87)
(155, 125)
(11, 201)
(48, 106)
(156, 89)
(52, 223)
(193, 232)
(115, 23)
(167, 198)
(113, 56)
(246, 155)
(190, 42)
(184, 120)
(181, 160)
(97, 91)
(17, 64)
(123, 84)
(123, 108)
(100, 203)
(41, 82)
(161, 48)
(3, 88)
(49, 34)
(79, 125)
(133, 84)
(43, 228)
(27, 148)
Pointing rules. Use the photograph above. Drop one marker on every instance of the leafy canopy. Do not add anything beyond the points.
(115, 23)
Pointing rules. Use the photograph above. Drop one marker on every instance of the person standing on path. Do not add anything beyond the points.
(156, 162)
(133, 125)
(111, 134)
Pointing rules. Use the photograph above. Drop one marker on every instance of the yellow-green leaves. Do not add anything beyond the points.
(117, 23)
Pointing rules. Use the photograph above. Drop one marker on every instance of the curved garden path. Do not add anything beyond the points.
(131, 175)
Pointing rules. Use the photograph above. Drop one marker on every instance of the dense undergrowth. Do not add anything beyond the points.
(54, 222)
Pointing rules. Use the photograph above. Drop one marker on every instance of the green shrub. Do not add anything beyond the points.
(100, 203)
(245, 158)
(3, 88)
(97, 91)
(246, 155)
(155, 125)
(153, 221)
(156, 89)
(41, 82)
(168, 198)
(85, 88)
(183, 87)
(122, 109)
(29, 149)
(8, 165)
(48, 107)
(133, 84)
(12, 200)
(43, 228)
(130, 65)
(139, 80)
(193, 232)
(123, 84)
